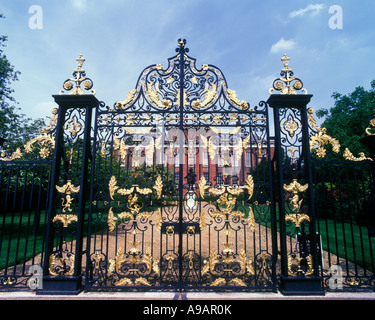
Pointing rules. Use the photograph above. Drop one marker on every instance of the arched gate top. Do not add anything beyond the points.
(204, 88)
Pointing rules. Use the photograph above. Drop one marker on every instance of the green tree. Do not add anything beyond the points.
(348, 119)
(15, 127)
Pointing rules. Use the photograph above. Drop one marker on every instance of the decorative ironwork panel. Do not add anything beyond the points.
(181, 187)
(344, 198)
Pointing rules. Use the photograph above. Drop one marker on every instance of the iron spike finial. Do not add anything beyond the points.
(287, 83)
(181, 46)
(73, 85)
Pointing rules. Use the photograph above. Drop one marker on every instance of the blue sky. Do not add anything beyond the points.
(244, 38)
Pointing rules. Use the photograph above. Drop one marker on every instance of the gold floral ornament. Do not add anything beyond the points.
(128, 101)
(65, 217)
(297, 218)
(61, 263)
(232, 95)
(133, 204)
(157, 97)
(133, 258)
(45, 141)
(206, 97)
(287, 84)
(291, 125)
(15, 155)
(320, 139)
(361, 156)
(79, 84)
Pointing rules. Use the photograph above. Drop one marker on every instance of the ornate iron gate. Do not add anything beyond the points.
(181, 186)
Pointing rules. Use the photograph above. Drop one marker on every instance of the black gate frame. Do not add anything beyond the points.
(83, 196)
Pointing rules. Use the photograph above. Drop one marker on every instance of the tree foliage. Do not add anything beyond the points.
(348, 119)
(15, 127)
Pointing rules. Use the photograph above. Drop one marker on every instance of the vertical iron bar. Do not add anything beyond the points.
(181, 173)
(279, 190)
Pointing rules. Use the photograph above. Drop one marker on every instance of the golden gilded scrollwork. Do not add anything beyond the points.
(321, 138)
(232, 95)
(226, 212)
(287, 84)
(349, 156)
(154, 94)
(132, 259)
(208, 95)
(128, 101)
(296, 217)
(133, 205)
(45, 140)
(291, 126)
(228, 258)
(15, 155)
(61, 263)
(227, 201)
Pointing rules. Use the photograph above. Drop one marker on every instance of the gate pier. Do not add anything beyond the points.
(69, 187)
(299, 264)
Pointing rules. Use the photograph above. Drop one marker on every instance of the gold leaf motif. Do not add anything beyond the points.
(124, 282)
(158, 186)
(155, 267)
(202, 221)
(144, 191)
(349, 156)
(232, 95)
(295, 187)
(15, 155)
(218, 282)
(202, 186)
(297, 219)
(251, 220)
(209, 95)
(115, 264)
(129, 99)
(125, 215)
(125, 192)
(111, 220)
(68, 188)
(65, 219)
(320, 139)
(142, 281)
(238, 282)
(216, 191)
(112, 186)
(249, 186)
(121, 146)
(61, 257)
(159, 219)
(44, 140)
(153, 94)
(234, 191)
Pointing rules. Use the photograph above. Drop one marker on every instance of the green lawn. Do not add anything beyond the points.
(18, 243)
(343, 239)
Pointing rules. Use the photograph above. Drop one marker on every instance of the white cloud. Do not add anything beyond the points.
(283, 45)
(313, 8)
(79, 4)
